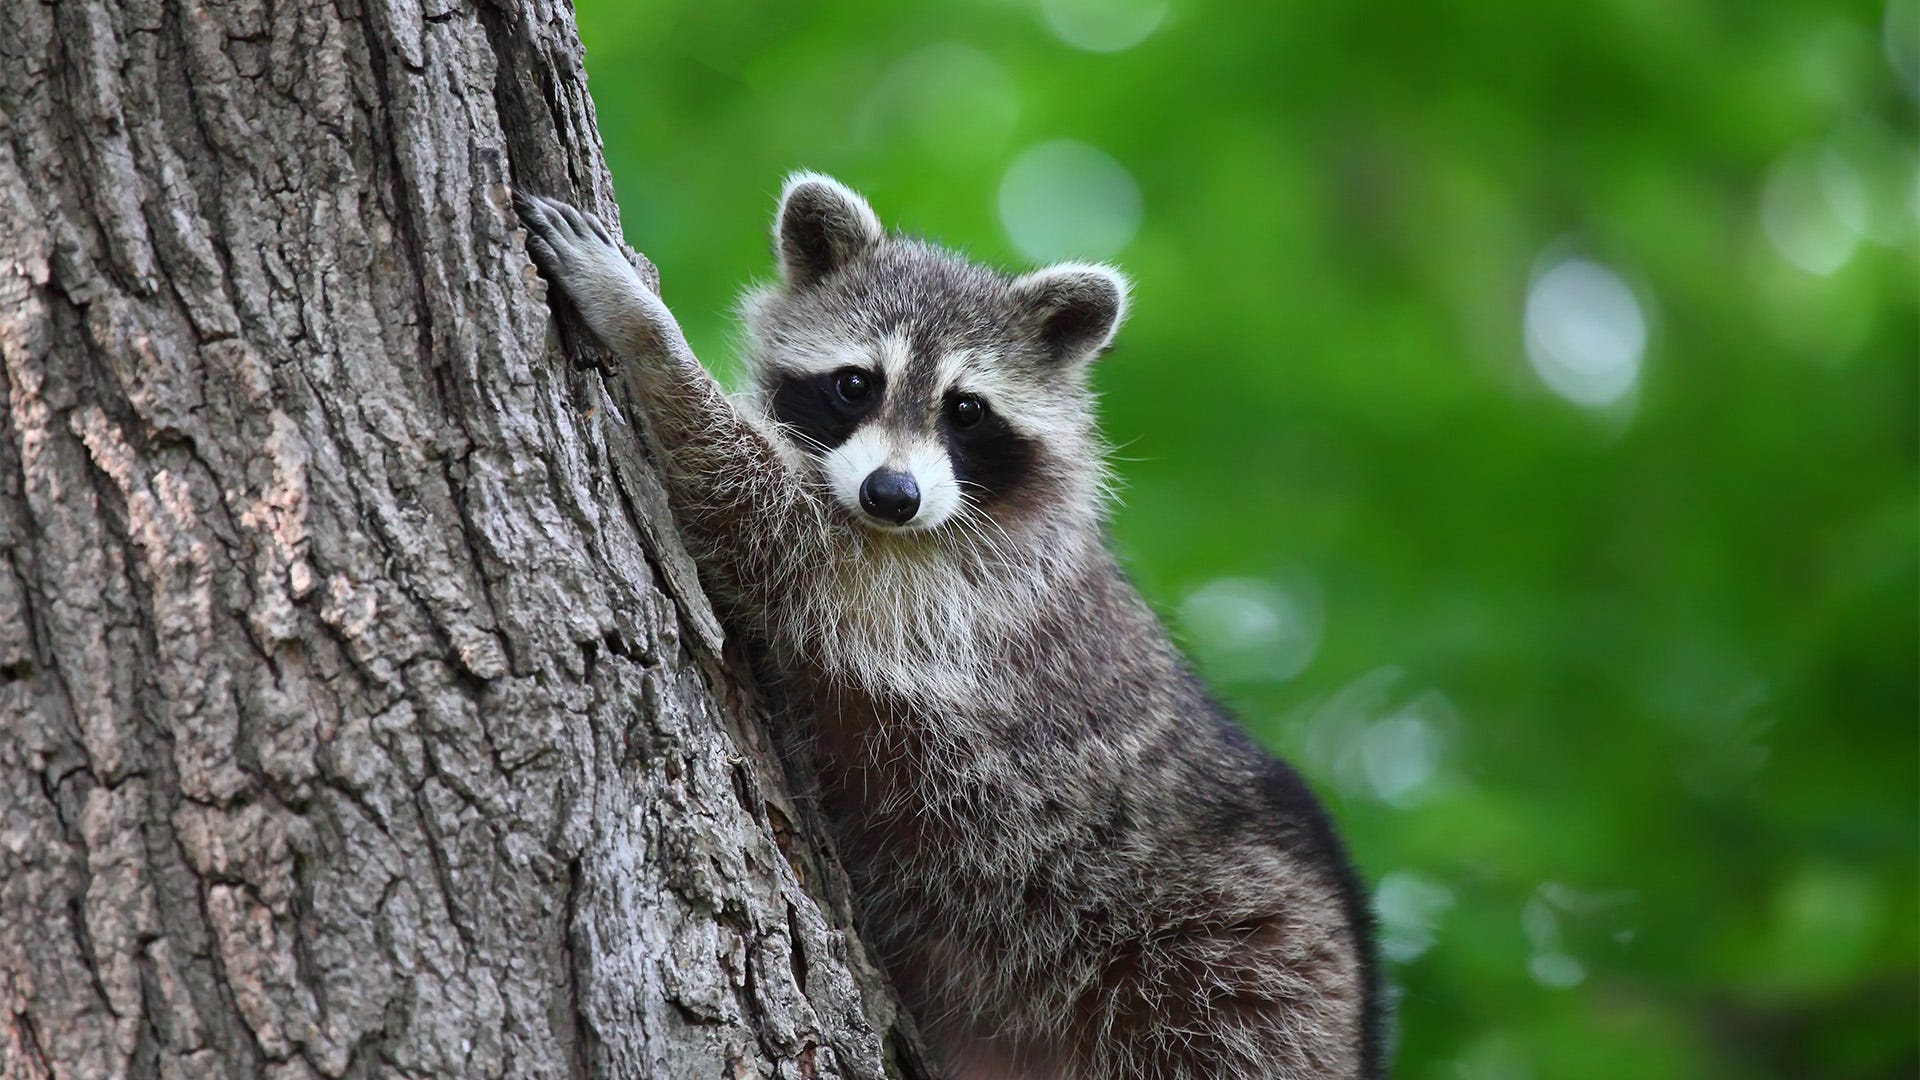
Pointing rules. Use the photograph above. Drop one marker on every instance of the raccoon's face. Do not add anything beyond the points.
(929, 392)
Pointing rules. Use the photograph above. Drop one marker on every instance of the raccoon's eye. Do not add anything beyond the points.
(967, 410)
(852, 385)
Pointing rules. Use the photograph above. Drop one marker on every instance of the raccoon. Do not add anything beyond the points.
(1070, 859)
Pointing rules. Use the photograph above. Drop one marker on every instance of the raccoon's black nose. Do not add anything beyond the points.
(890, 496)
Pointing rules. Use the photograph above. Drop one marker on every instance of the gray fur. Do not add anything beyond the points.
(1074, 865)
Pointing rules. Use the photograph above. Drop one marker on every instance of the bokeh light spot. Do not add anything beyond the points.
(1068, 200)
(1400, 754)
(1371, 746)
(1813, 209)
(1869, 174)
(1585, 332)
(1557, 911)
(1103, 25)
(1249, 630)
(1556, 970)
(1409, 906)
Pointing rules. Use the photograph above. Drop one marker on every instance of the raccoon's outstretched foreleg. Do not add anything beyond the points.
(745, 510)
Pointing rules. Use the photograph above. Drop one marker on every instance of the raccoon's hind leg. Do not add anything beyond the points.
(744, 510)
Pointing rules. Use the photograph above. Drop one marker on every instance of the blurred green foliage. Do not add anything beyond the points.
(1616, 701)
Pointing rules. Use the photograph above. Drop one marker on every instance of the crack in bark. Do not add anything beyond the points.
(585, 1044)
(442, 875)
(23, 1022)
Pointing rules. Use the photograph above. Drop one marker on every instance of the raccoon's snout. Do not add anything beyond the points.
(890, 496)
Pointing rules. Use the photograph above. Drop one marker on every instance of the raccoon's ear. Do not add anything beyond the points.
(821, 225)
(1074, 309)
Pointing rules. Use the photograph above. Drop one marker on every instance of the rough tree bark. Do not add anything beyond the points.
(359, 711)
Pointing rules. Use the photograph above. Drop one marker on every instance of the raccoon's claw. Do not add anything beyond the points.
(578, 253)
(565, 240)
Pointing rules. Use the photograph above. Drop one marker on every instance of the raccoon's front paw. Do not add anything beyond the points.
(577, 252)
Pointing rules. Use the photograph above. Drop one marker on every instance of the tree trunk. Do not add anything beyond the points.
(360, 713)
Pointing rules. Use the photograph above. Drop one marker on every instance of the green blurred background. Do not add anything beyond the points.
(1519, 425)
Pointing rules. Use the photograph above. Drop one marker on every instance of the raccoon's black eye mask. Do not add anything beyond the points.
(824, 409)
(990, 459)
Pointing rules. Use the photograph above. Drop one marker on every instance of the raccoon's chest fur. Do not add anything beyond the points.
(1007, 847)
(981, 878)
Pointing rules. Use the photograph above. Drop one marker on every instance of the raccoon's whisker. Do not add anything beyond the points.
(1001, 547)
(1113, 452)
(975, 514)
(970, 527)
(794, 432)
(968, 521)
